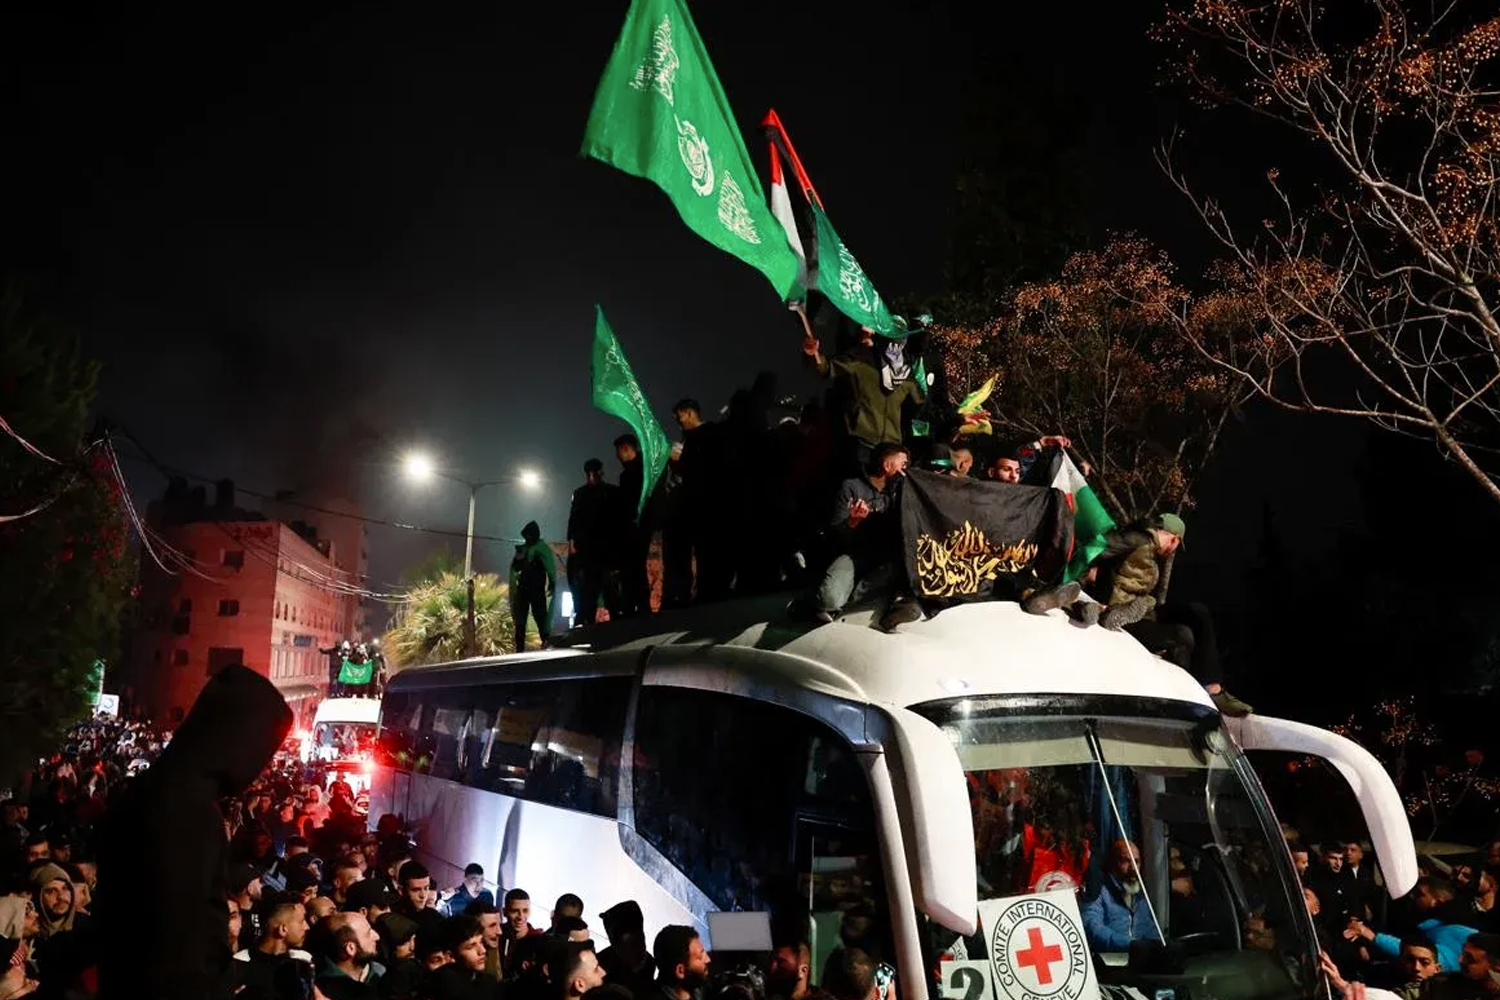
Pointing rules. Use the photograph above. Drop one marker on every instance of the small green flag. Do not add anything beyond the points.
(659, 113)
(356, 673)
(844, 282)
(617, 393)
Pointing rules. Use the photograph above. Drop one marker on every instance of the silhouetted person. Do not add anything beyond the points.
(533, 574)
(165, 841)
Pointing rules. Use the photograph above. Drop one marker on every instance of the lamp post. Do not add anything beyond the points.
(420, 468)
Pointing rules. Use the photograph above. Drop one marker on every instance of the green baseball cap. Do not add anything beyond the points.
(1173, 524)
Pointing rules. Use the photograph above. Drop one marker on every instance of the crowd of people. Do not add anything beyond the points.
(207, 864)
(1440, 942)
(754, 503)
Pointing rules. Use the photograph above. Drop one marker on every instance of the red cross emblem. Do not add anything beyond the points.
(1038, 956)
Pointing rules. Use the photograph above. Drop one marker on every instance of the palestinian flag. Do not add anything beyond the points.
(781, 207)
(1091, 522)
(827, 263)
(971, 540)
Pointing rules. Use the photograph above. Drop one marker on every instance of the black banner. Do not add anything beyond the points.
(972, 540)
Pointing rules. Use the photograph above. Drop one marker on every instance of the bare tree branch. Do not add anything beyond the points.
(1379, 296)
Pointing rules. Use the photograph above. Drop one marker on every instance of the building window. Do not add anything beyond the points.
(180, 625)
(179, 658)
(220, 657)
(232, 557)
(228, 608)
(184, 607)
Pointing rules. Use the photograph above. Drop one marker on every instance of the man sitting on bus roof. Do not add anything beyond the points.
(1123, 580)
(866, 530)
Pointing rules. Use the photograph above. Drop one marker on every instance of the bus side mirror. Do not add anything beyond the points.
(936, 823)
(1385, 815)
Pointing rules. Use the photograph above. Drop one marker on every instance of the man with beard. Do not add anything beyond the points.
(681, 962)
(790, 974)
(349, 970)
(1119, 913)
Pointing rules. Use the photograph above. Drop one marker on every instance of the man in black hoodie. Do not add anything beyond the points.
(165, 841)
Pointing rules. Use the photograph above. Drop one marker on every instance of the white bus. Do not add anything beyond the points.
(722, 759)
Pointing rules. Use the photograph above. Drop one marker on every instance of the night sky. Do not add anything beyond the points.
(302, 241)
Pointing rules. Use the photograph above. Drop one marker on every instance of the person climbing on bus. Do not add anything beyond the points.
(1119, 592)
(533, 576)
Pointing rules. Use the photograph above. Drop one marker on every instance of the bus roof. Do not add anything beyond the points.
(974, 650)
(347, 710)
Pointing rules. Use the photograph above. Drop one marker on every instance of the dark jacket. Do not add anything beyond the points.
(592, 522)
(164, 841)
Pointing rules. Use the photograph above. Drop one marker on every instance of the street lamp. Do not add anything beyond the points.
(420, 468)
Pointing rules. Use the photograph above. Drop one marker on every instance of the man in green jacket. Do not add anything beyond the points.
(533, 575)
(872, 382)
(1123, 580)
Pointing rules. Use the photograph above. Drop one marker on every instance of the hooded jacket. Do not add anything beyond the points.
(40, 877)
(164, 925)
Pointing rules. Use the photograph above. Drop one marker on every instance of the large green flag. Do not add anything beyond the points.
(659, 113)
(844, 282)
(616, 392)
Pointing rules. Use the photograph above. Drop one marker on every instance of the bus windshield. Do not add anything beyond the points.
(1161, 832)
(343, 740)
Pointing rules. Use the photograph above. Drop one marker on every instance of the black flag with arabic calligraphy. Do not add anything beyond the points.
(972, 540)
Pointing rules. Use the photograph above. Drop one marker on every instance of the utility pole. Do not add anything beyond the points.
(420, 467)
(470, 632)
(469, 624)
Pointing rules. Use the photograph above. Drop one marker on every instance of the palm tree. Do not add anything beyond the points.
(430, 627)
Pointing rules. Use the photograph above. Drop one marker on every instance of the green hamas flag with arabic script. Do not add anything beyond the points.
(844, 282)
(659, 113)
(617, 393)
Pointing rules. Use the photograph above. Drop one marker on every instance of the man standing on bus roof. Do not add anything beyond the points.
(533, 576)
(591, 540)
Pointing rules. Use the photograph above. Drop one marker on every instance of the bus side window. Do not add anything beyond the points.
(476, 732)
(446, 731)
(393, 749)
(516, 713)
(758, 805)
(575, 762)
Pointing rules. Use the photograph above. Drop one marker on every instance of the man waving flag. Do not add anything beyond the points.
(659, 113)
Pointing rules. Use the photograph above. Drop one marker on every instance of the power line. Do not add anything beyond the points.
(33, 449)
(169, 471)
